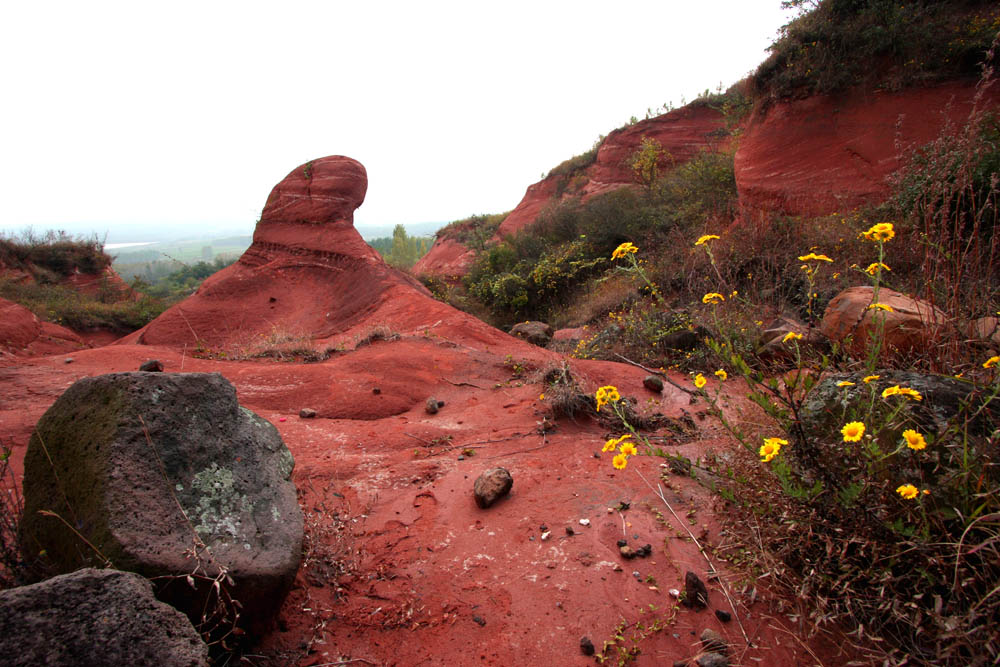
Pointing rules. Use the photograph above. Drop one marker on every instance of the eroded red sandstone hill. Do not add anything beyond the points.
(308, 274)
(805, 157)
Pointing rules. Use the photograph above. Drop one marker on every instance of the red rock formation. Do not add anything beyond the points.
(447, 258)
(824, 154)
(309, 275)
(682, 133)
(23, 333)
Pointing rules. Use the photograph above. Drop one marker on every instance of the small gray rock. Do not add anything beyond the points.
(152, 366)
(307, 413)
(723, 615)
(653, 383)
(713, 641)
(586, 646)
(536, 333)
(431, 406)
(491, 486)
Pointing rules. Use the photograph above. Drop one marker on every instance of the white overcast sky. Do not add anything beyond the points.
(186, 114)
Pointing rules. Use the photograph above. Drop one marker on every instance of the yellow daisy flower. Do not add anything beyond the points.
(702, 240)
(883, 231)
(814, 256)
(845, 383)
(624, 249)
(610, 445)
(875, 266)
(628, 449)
(991, 362)
(914, 440)
(619, 462)
(791, 335)
(908, 491)
(853, 431)
(869, 378)
(722, 374)
(699, 380)
(713, 297)
(879, 306)
(771, 448)
(606, 395)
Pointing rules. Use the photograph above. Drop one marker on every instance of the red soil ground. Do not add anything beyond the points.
(402, 567)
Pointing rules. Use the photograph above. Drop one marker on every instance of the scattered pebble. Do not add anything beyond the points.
(712, 660)
(653, 383)
(376, 391)
(545, 535)
(674, 593)
(713, 641)
(431, 407)
(584, 522)
(635, 573)
(695, 593)
(68, 360)
(723, 615)
(543, 527)
(491, 486)
(586, 646)
(622, 543)
(480, 620)
(570, 531)
(461, 458)
(151, 366)
(307, 413)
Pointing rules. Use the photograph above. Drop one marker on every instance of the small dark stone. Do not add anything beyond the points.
(307, 413)
(570, 531)
(626, 552)
(491, 486)
(681, 663)
(461, 458)
(376, 391)
(723, 615)
(713, 641)
(480, 620)
(586, 646)
(597, 455)
(431, 406)
(653, 383)
(543, 528)
(68, 360)
(440, 404)
(272, 299)
(622, 543)
(695, 593)
(152, 366)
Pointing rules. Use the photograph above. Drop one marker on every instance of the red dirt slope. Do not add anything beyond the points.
(824, 154)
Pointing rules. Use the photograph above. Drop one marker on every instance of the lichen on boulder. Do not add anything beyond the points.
(164, 474)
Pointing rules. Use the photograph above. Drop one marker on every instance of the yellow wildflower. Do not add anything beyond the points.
(713, 297)
(991, 362)
(624, 249)
(908, 491)
(610, 445)
(914, 440)
(881, 232)
(791, 335)
(879, 306)
(541, 397)
(814, 256)
(705, 239)
(722, 374)
(606, 395)
(845, 383)
(896, 390)
(770, 448)
(875, 266)
(870, 378)
(853, 431)
(699, 380)
(628, 449)
(619, 462)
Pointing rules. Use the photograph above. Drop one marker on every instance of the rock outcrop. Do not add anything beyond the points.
(307, 275)
(22, 331)
(825, 154)
(95, 617)
(164, 474)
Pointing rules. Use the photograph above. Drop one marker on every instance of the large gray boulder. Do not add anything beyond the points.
(164, 474)
(95, 617)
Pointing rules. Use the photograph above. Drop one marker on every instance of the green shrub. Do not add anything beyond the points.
(54, 254)
(880, 43)
(67, 306)
(474, 231)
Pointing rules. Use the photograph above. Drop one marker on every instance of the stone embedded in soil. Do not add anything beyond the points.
(95, 617)
(723, 615)
(712, 660)
(626, 552)
(713, 641)
(432, 406)
(695, 593)
(536, 333)
(307, 413)
(586, 646)
(151, 366)
(491, 486)
(653, 383)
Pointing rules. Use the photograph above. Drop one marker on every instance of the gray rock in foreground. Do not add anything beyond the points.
(123, 492)
(95, 617)
(491, 486)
